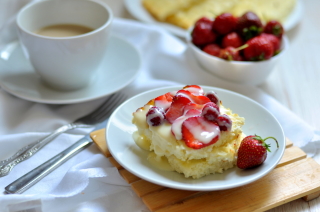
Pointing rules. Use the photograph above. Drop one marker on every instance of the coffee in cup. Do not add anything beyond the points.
(65, 41)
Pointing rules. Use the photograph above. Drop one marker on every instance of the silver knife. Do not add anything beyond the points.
(31, 178)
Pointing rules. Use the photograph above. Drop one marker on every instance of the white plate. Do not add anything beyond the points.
(120, 66)
(137, 10)
(258, 121)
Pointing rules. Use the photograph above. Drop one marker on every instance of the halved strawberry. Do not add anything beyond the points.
(176, 108)
(177, 124)
(198, 133)
(194, 89)
(196, 99)
(163, 101)
(192, 106)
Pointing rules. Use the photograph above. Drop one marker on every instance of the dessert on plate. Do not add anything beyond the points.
(189, 131)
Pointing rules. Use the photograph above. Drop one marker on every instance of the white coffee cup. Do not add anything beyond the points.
(65, 63)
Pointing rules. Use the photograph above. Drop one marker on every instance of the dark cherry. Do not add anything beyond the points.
(224, 122)
(155, 116)
(210, 111)
(213, 97)
(212, 49)
(202, 33)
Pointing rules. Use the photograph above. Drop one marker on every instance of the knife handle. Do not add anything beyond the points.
(31, 178)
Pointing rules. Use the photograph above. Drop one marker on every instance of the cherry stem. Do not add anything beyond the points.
(242, 47)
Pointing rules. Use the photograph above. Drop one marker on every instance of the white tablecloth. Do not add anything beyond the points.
(88, 180)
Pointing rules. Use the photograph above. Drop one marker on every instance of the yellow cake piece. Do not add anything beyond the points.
(184, 13)
(161, 9)
(194, 163)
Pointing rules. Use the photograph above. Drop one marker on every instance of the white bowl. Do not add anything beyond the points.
(243, 72)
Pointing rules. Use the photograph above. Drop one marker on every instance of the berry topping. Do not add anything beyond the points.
(210, 112)
(192, 106)
(213, 97)
(259, 48)
(155, 116)
(202, 33)
(253, 151)
(212, 49)
(249, 25)
(224, 23)
(194, 89)
(176, 108)
(198, 133)
(177, 124)
(275, 28)
(163, 101)
(196, 99)
(232, 39)
(224, 122)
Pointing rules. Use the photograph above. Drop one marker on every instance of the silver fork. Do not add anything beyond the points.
(97, 116)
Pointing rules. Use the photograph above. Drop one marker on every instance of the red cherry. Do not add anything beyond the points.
(224, 23)
(202, 33)
(155, 116)
(212, 49)
(224, 122)
(275, 28)
(213, 96)
(210, 112)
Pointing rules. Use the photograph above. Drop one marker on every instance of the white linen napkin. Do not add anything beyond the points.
(88, 181)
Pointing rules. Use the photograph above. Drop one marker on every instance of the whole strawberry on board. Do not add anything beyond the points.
(253, 151)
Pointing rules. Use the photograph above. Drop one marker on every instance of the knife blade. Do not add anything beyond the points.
(31, 178)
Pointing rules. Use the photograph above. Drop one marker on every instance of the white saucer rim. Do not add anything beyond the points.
(84, 99)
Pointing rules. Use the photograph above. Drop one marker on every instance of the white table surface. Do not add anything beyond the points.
(295, 82)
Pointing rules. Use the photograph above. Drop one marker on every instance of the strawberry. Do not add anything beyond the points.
(274, 40)
(192, 106)
(194, 98)
(253, 151)
(176, 108)
(259, 48)
(249, 25)
(212, 49)
(224, 23)
(202, 33)
(232, 39)
(230, 53)
(275, 28)
(194, 89)
(198, 133)
(163, 101)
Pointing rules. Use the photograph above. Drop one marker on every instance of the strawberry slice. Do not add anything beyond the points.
(176, 108)
(198, 133)
(176, 125)
(195, 99)
(194, 89)
(163, 101)
(192, 106)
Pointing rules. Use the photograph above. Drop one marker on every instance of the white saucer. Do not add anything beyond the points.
(119, 68)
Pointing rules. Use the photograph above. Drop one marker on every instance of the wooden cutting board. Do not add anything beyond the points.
(296, 176)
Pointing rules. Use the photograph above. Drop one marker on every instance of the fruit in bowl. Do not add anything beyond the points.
(240, 49)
